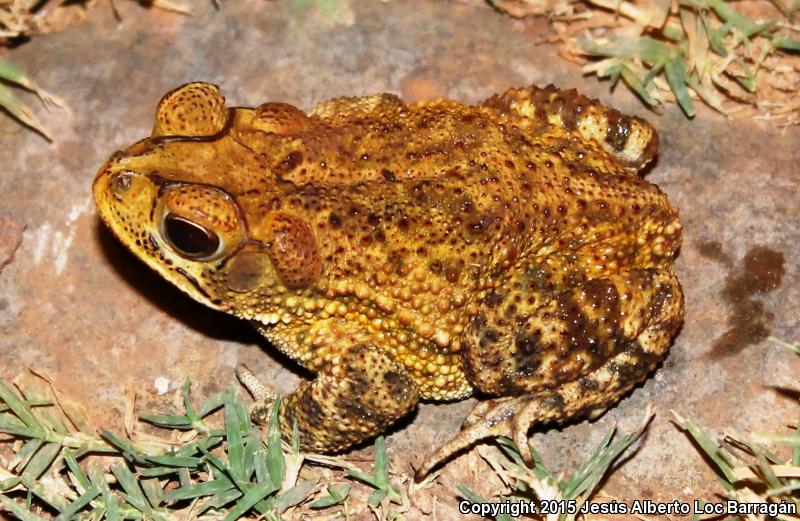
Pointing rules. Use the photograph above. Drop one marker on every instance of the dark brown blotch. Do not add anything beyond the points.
(619, 129)
(748, 324)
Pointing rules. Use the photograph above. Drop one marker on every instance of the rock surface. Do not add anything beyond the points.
(75, 304)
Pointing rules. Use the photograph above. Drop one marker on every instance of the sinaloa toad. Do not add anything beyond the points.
(407, 251)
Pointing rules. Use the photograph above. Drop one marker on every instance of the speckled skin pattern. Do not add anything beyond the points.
(414, 251)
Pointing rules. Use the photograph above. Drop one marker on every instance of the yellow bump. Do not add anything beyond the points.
(425, 330)
(405, 318)
(362, 291)
(442, 338)
(385, 304)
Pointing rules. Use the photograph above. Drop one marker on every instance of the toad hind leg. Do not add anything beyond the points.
(555, 355)
(632, 140)
(513, 416)
(346, 403)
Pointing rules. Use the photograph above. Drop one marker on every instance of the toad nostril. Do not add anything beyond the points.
(120, 183)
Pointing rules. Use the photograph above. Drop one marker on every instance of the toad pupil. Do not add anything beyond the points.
(550, 315)
(190, 238)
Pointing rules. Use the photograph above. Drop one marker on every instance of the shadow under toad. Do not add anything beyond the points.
(211, 323)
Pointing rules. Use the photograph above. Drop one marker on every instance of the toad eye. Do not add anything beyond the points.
(190, 239)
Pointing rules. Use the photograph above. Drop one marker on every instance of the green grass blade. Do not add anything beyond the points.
(211, 404)
(748, 82)
(632, 81)
(711, 449)
(233, 430)
(197, 490)
(294, 496)
(208, 442)
(336, 495)
(376, 497)
(9, 483)
(77, 505)
(261, 467)
(11, 398)
(369, 479)
(248, 501)
(22, 113)
(219, 500)
(10, 424)
(153, 492)
(42, 460)
(75, 469)
(133, 491)
(13, 74)
(474, 497)
(176, 461)
(675, 70)
(276, 461)
(787, 44)
(125, 446)
(24, 455)
(187, 400)
(15, 508)
(381, 463)
(588, 466)
(169, 421)
(46, 494)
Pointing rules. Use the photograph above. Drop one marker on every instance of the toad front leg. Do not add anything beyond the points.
(346, 403)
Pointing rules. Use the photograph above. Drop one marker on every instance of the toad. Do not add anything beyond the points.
(433, 250)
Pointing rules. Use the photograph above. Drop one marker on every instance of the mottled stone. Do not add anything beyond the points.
(11, 230)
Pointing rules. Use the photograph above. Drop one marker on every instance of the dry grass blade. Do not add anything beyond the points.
(532, 480)
(10, 74)
(175, 7)
(749, 470)
(739, 58)
(22, 112)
